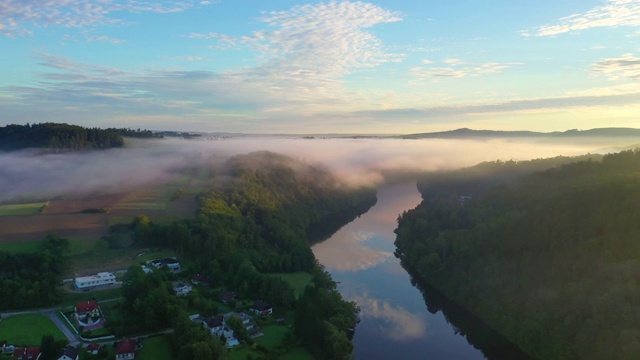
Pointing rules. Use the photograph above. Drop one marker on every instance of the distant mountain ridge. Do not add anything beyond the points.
(466, 133)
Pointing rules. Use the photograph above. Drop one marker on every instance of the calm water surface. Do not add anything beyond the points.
(395, 322)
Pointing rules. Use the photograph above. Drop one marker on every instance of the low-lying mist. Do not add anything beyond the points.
(31, 174)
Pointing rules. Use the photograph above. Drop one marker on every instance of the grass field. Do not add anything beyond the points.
(242, 353)
(155, 348)
(21, 209)
(273, 335)
(297, 354)
(72, 299)
(21, 247)
(28, 329)
(298, 281)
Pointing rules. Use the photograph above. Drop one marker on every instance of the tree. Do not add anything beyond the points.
(48, 348)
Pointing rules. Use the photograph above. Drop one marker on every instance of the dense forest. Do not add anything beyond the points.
(252, 223)
(31, 280)
(549, 258)
(57, 137)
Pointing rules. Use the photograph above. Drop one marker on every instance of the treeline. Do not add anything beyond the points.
(550, 259)
(254, 222)
(32, 279)
(137, 133)
(57, 137)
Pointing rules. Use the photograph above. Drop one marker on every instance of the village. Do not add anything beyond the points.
(88, 336)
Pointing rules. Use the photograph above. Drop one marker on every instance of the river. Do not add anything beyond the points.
(395, 321)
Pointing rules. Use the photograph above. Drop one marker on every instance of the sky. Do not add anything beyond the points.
(379, 67)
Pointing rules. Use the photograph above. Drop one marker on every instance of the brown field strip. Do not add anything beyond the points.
(36, 227)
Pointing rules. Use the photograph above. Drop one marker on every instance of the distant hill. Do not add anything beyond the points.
(466, 133)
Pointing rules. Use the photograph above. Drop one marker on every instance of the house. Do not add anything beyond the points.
(93, 348)
(247, 320)
(227, 296)
(215, 324)
(126, 349)
(181, 289)
(70, 353)
(29, 353)
(199, 279)
(87, 310)
(169, 263)
(91, 282)
(261, 308)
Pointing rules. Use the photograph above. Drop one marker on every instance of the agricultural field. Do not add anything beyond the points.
(22, 209)
(16, 228)
(28, 329)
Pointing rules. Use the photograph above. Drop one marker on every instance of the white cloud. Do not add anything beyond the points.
(455, 70)
(613, 13)
(623, 67)
(453, 61)
(106, 39)
(186, 58)
(18, 17)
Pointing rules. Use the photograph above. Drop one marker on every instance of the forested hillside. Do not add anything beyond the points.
(57, 137)
(254, 222)
(550, 259)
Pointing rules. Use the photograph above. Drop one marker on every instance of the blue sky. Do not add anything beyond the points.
(321, 67)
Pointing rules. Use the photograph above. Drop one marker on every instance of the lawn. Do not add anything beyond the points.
(273, 335)
(155, 348)
(298, 280)
(71, 299)
(299, 353)
(242, 353)
(21, 247)
(28, 329)
(77, 246)
(21, 209)
(97, 255)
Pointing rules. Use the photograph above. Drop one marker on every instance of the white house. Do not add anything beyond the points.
(93, 281)
(181, 289)
(70, 353)
(170, 263)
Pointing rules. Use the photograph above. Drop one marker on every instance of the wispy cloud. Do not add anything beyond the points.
(105, 38)
(19, 17)
(613, 13)
(455, 69)
(309, 47)
(186, 58)
(623, 67)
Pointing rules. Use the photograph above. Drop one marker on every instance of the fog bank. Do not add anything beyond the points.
(31, 174)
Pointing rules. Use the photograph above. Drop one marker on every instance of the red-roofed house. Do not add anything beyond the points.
(126, 349)
(93, 348)
(261, 308)
(87, 309)
(30, 353)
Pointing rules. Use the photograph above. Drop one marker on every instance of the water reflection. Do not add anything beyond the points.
(398, 320)
(391, 321)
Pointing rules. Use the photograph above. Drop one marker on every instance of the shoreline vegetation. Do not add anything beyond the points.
(547, 257)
